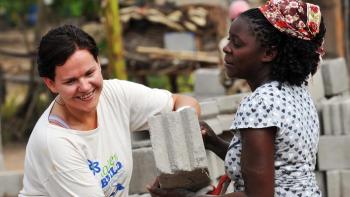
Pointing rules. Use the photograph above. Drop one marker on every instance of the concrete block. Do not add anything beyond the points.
(335, 75)
(10, 182)
(319, 108)
(179, 150)
(345, 116)
(215, 124)
(326, 118)
(331, 116)
(333, 152)
(333, 183)
(337, 126)
(316, 86)
(216, 166)
(140, 139)
(345, 182)
(171, 41)
(209, 109)
(207, 83)
(144, 170)
(229, 104)
(321, 181)
(226, 120)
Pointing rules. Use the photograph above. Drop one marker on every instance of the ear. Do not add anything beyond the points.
(50, 84)
(269, 54)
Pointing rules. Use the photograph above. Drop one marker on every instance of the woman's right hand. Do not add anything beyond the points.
(210, 139)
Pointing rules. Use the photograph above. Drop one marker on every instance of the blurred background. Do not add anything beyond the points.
(159, 43)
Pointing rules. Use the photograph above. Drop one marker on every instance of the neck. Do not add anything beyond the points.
(77, 120)
(259, 79)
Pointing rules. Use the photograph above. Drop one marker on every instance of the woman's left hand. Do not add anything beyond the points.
(156, 191)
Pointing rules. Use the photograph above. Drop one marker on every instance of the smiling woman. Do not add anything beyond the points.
(81, 144)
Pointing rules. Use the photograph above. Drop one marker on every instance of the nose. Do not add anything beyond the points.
(226, 49)
(84, 85)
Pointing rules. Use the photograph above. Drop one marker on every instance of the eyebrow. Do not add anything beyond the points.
(73, 78)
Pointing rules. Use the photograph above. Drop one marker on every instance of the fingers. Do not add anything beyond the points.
(157, 192)
(153, 188)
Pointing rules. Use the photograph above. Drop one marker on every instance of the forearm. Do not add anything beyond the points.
(183, 100)
(219, 148)
(234, 194)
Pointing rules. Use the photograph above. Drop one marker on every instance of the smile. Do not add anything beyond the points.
(87, 97)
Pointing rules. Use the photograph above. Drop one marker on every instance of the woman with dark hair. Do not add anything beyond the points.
(81, 144)
(276, 48)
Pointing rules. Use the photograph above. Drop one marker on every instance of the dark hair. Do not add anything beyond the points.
(59, 44)
(296, 58)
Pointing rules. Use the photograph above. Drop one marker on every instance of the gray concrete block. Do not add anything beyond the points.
(316, 86)
(179, 150)
(10, 182)
(345, 116)
(207, 83)
(140, 139)
(333, 180)
(331, 116)
(345, 182)
(229, 104)
(144, 170)
(335, 75)
(209, 109)
(215, 124)
(333, 152)
(216, 166)
(319, 108)
(321, 182)
(337, 125)
(226, 120)
(171, 41)
(326, 118)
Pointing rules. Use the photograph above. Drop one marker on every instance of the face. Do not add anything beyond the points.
(243, 53)
(78, 82)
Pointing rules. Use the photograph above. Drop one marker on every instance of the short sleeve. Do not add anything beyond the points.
(141, 101)
(256, 111)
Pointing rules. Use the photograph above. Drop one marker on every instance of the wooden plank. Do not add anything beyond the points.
(160, 53)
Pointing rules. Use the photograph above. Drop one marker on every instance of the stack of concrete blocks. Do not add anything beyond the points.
(333, 102)
(179, 150)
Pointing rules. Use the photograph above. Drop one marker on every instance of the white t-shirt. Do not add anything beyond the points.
(65, 162)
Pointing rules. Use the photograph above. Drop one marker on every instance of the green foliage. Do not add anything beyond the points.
(13, 9)
(76, 8)
(158, 81)
(185, 83)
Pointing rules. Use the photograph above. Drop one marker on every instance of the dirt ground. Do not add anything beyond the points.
(14, 156)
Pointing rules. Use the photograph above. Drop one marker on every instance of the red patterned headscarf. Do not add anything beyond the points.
(294, 17)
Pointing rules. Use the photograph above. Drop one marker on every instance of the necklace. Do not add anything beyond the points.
(59, 101)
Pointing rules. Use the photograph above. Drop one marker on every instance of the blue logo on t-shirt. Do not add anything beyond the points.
(93, 166)
(107, 172)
